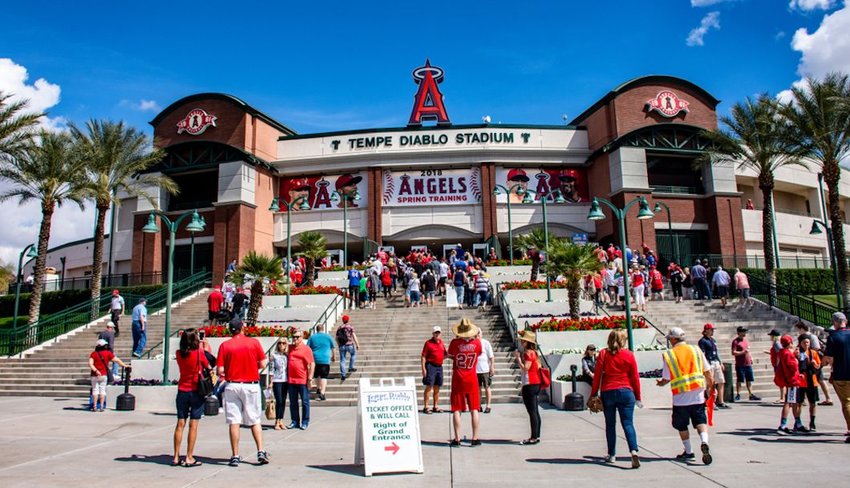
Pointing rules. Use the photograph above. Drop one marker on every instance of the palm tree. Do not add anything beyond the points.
(820, 114)
(757, 139)
(116, 156)
(52, 173)
(314, 246)
(260, 270)
(16, 128)
(532, 243)
(573, 262)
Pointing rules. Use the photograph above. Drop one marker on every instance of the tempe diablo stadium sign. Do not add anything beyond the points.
(432, 187)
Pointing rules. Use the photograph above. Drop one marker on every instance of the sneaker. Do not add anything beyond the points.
(352, 370)
(812, 427)
(454, 443)
(137, 355)
(342, 379)
(686, 456)
(609, 459)
(293, 425)
(234, 461)
(755, 398)
(304, 425)
(476, 442)
(784, 431)
(737, 398)
(635, 460)
(800, 428)
(262, 457)
(322, 396)
(706, 454)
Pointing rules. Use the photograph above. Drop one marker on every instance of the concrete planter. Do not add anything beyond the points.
(148, 398)
(215, 343)
(560, 363)
(652, 395)
(549, 341)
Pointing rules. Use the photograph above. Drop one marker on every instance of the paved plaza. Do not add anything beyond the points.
(54, 442)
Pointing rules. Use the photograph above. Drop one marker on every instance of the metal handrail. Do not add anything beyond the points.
(512, 327)
(180, 290)
(806, 307)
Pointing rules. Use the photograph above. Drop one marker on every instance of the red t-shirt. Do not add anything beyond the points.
(637, 279)
(240, 357)
(299, 359)
(215, 301)
(434, 352)
(616, 371)
(189, 368)
(534, 371)
(465, 356)
(103, 365)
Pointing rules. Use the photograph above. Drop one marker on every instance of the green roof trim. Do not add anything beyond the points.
(644, 80)
(428, 128)
(221, 96)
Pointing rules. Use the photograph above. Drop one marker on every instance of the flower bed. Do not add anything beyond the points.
(280, 289)
(255, 331)
(531, 285)
(602, 323)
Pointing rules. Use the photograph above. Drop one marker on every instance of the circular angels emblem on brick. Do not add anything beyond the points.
(196, 122)
(667, 104)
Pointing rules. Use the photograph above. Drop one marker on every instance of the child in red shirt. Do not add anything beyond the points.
(787, 375)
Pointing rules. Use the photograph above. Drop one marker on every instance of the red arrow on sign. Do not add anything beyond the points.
(394, 448)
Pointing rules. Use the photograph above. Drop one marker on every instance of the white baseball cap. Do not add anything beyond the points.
(437, 329)
(676, 333)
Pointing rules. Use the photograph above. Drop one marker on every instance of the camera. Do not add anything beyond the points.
(201, 334)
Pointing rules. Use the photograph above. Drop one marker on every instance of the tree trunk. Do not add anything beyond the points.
(97, 260)
(309, 272)
(255, 303)
(535, 264)
(831, 176)
(573, 294)
(47, 209)
(766, 186)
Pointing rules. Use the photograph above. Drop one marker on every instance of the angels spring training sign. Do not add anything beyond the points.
(432, 187)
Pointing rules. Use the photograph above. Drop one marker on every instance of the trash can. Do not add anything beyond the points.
(729, 387)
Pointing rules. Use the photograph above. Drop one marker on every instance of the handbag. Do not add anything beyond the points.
(110, 378)
(545, 377)
(270, 410)
(594, 403)
(205, 381)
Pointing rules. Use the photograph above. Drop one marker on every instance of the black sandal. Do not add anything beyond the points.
(182, 462)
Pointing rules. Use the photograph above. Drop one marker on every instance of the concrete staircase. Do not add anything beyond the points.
(60, 369)
(692, 315)
(391, 339)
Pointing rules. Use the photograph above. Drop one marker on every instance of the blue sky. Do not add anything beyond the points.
(321, 66)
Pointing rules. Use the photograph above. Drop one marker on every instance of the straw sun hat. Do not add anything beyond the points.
(464, 329)
(527, 336)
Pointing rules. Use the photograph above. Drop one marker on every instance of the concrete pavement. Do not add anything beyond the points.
(54, 442)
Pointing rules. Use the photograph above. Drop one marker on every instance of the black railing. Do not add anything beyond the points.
(731, 261)
(807, 307)
(107, 281)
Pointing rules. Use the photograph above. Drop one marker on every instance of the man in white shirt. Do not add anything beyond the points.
(442, 277)
(485, 370)
(117, 309)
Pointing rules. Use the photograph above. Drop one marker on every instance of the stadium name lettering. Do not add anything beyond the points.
(425, 140)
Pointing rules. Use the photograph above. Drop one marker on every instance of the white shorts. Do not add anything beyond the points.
(242, 403)
(716, 368)
(98, 385)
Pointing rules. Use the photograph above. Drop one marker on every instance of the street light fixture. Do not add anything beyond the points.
(275, 207)
(674, 246)
(559, 199)
(30, 252)
(345, 197)
(197, 224)
(644, 213)
(517, 189)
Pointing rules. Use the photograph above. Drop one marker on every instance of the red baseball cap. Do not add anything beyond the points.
(299, 184)
(786, 340)
(517, 175)
(345, 318)
(567, 176)
(347, 179)
(708, 326)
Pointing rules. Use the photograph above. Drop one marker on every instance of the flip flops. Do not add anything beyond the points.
(192, 464)
(181, 462)
(438, 410)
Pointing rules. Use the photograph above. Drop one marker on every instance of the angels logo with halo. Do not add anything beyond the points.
(196, 122)
(667, 103)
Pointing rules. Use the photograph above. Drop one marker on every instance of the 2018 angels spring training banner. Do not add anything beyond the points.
(431, 187)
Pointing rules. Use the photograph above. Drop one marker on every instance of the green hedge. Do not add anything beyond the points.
(801, 281)
(56, 301)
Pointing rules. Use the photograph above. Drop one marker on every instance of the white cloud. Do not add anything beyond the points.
(21, 224)
(142, 105)
(42, 94)
(827, 48)
(710, 21)
(809, 5)
(706, 3)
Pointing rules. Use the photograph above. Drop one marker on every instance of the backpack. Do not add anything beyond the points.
(460, 278)
(343, 333)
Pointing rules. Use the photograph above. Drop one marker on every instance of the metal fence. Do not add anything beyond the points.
(807, 307)
(758, 262)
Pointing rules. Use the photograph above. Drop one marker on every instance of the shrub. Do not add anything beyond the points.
(506, 262)
(280, 289)
(531, 285)
(252, 331)
(57, 301)
(602, 323)
(801, 281)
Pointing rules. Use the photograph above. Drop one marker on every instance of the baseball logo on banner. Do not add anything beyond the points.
(432, 187)
(319, 191)
(572, 182)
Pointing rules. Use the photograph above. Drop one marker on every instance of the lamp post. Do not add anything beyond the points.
(30, 253)
(192, 248)
(644, 213)
(558, 199)
(345, 197)
(497, 190)
(196, 225)
(831, 253)
(275, 207)
(673, 246)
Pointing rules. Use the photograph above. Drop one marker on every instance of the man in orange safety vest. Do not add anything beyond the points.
(689, 375)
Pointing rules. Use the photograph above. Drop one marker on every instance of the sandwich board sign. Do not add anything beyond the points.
(387, 438)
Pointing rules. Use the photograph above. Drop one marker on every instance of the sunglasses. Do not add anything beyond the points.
(297, 337)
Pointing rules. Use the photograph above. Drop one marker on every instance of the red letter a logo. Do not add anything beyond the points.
(428, 102)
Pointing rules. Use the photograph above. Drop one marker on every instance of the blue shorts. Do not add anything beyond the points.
(744, 374)
(189, 405)
(433, 375)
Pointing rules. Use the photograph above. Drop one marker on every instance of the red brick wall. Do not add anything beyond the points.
(230, 125)
(637, 231)
(147, 248)
(233, 236)
(488, 200)
(375, 185)
(725, 226)
(631, 114)
(599, 184)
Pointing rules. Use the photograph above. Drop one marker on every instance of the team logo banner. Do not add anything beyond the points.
(196, 122)
(324, 192)
(572, 183)
(432, 187)
(667, 104)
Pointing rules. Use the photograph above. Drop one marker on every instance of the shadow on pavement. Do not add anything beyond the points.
(349, 469)
(165, 459)
(594, 460)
